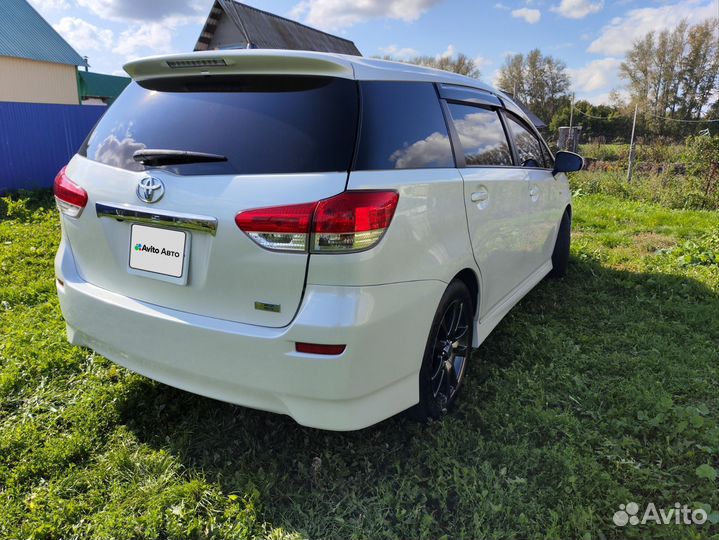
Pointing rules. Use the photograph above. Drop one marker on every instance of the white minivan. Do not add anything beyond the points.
(318, 235)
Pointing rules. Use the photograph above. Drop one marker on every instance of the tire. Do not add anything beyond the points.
(446, 355)
(560, 255)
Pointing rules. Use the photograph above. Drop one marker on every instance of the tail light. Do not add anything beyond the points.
(348, 222)
(279, 228)
(353, 220)
(71, 199)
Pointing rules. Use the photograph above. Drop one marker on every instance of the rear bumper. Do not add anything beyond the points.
(385, 328)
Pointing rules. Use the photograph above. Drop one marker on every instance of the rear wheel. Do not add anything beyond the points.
(447, 353)
(560, 255)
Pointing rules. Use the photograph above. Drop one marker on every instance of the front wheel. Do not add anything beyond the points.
(447, 353)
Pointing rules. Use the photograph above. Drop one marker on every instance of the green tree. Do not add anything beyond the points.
(674, 74)
(608, 121)
(541, 82)
(458, 63)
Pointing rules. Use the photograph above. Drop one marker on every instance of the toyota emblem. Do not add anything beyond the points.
(150, 189)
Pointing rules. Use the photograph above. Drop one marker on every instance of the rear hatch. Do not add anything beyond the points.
(276, 140)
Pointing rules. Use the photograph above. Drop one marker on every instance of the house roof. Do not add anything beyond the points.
(25, 34)
(231, 24)
(101, 85)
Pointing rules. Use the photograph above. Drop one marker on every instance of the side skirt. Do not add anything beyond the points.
(491, 319)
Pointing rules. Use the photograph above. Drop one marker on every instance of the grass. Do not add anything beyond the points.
(596, 390)
(692, 192)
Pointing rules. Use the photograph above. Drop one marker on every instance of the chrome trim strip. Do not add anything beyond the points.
(137, 214)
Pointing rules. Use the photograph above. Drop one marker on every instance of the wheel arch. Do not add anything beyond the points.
(471, 280)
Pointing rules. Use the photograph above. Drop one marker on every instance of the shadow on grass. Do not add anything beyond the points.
(554, 429)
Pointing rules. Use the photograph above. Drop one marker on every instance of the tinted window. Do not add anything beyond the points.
(262, 124)
(402, 127)
(529, 149)
(481, 134)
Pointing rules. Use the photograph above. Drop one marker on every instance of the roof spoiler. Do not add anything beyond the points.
(239, 62)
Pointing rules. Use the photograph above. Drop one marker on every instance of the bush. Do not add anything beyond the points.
(605, 152)
(673, 191)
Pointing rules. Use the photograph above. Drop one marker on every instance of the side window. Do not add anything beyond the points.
(529, 149)
(481, 134)
(402, 127)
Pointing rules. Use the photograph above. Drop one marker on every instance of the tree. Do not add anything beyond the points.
(674, 74)
(609, 121)
(541, 82)
(700, 68)
(459, 63)
(511, 76)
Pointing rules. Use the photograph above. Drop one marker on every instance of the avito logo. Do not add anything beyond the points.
(152, 249)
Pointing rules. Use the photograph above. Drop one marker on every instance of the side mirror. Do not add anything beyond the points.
(567, 162)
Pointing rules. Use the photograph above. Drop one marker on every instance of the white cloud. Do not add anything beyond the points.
(578, 9)
(617, 37)
(82, 35)
(500, 5)
(481, 62)
(47, 5)
(604, 98)
(144, 10)
(596, 75)
(335, 14)
(403, 53)
(532, 16)
(449, 52)
(433, 149)
(156, 37)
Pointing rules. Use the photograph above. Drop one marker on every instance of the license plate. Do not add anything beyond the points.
(159, 253)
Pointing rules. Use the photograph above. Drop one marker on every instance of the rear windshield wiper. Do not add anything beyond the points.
(174, 157)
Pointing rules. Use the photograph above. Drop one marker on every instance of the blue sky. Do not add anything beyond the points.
(591, 36)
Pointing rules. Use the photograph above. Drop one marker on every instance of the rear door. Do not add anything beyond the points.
(495, 200)
(543, 218)
(284, 139)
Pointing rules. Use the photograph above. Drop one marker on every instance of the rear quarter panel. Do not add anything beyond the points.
(427, 239)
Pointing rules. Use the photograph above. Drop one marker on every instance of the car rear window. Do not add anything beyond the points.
(261, 124)
(402, 127)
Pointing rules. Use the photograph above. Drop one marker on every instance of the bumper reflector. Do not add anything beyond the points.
(317, 348)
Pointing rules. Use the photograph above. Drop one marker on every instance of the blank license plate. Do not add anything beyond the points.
(158, 251)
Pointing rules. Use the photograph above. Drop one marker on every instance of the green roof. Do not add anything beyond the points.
(25, 34)
(100, 85)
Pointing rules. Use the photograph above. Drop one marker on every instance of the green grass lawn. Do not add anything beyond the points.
(595, 391)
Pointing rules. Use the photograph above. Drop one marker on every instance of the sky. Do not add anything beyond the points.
(590, 36)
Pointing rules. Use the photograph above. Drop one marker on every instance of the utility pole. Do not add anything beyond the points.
(571, 114)
(631, 146)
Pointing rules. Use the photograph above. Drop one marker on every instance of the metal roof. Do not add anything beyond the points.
(100, 85)
(25, 34)
(231, 24)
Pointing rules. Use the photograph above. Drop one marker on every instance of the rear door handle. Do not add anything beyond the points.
(480, 196)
